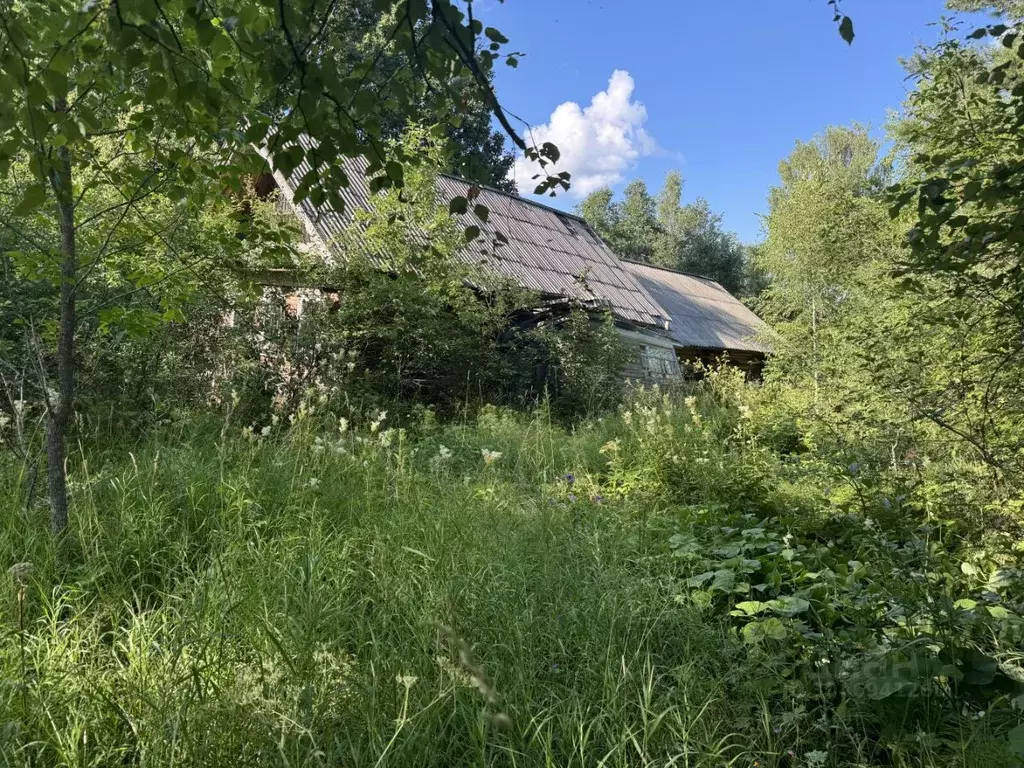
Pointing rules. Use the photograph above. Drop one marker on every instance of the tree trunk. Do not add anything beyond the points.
(814, 348)
(60, 404)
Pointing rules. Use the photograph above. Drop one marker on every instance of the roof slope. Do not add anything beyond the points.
(548, 251)
(703, 313)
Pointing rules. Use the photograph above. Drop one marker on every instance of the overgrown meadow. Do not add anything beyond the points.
(661, 586)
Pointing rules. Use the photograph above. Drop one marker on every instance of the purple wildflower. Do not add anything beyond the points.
(570, 478)
(572, 497)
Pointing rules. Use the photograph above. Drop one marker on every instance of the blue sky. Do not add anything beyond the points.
(719, 90)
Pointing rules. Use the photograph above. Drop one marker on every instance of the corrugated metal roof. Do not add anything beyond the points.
(703, 313)
(548, 251)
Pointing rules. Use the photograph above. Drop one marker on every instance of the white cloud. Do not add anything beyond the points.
(597, 143)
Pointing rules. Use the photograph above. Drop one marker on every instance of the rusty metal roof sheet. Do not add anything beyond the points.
(548, 251)
(703, 313)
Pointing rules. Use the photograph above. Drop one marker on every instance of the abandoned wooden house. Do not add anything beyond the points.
(668, 318)
(708, 324)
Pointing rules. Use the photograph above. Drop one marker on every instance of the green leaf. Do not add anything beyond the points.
(1016, 739)
(969, 569)
(364, 101)
(472, 233)
(458, 205)
(725, 580)
(156, 89)
(789, 605)
(377, 183)
(846, 30)
(769, 629)
(33, 197)
(749, 608)
(700, 580)
(395, 172)
(481, 212)
(56, 82)
(981, 669)
(885, 687)
(495, 36)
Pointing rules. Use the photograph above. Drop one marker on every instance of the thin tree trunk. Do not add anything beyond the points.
(60, 405)
(814, 347)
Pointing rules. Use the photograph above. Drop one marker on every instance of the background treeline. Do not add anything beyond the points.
(662, 230)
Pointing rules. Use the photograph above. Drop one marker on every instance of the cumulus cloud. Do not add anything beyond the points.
(598, 143)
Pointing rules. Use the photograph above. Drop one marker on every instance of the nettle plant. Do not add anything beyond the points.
(862, 612)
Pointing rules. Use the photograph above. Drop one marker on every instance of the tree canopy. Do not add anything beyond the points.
(662, 230)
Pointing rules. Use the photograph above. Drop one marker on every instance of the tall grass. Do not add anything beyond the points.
(312, 596)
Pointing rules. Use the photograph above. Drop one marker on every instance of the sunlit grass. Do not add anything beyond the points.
(499, 593)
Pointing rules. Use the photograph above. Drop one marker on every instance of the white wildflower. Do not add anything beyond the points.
(265, 432)
(378, 421)
(313, 482)
(444, 452)
(490, 456)
(407, 680)
(21, 571)
(343, 425)
(454, 672)
(19, 407)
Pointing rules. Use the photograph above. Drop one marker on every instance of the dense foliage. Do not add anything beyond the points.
(393, 510)
(662, 585)
(402, 318)
(189, 95)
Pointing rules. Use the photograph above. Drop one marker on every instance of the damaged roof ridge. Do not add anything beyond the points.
(675, 271)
